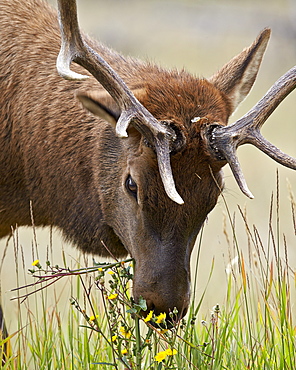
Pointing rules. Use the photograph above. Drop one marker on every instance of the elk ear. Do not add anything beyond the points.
(237, 77)
(101, 104)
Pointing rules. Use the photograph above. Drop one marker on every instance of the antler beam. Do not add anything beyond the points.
(74, 48)
(223, 141)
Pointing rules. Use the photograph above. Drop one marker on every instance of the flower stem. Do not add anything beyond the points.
(138, 343)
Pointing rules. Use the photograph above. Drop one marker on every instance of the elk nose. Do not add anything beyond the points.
(166, 308)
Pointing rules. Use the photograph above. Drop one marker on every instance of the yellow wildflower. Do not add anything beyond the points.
(114, 337)
(171, 352)
(163, 354)
(100, 269)
(111, 272)
(124, 351)
(124, 333)
(149, 316)
(93, 318)
(35, 263)
(160, 356)
(160, 318)
(112, 296)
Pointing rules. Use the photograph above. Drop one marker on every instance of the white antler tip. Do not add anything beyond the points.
(250, 195)
(64, 70)
(67, 74)
(122, 125)
(121, 132)
(173, 195)
(178, 199)
(246, 191)
(72, 76)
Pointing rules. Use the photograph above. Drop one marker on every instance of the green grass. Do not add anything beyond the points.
(252, 328)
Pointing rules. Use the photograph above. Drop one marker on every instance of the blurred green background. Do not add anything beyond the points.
(200, 36)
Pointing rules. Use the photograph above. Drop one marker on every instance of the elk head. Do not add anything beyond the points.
(175, 143)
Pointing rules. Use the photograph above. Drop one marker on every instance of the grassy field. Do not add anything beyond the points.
(252, 327)
(243, 312)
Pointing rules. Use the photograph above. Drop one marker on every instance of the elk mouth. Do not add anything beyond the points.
(163, 308)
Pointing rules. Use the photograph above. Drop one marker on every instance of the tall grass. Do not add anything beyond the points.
(252, 328)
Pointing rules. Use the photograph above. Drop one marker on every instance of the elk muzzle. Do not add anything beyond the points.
(164, 284)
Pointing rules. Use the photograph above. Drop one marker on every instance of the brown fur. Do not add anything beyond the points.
(73, 168)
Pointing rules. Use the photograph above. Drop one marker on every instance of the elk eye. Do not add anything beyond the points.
(131, 186)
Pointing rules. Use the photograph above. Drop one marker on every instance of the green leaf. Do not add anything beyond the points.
(142, 304)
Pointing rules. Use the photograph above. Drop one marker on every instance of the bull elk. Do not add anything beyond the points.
(139, 169)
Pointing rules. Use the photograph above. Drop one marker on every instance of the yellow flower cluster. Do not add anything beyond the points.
(149, 316)
(112, 296)
(124, 333)
(163, 354)
(160, 318)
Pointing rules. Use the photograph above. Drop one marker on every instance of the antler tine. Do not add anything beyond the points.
(224, 140)
(74, 48)
(71, 41)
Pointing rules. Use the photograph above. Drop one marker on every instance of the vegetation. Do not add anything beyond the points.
(253, 328)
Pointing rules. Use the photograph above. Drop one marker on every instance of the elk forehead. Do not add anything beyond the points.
(180, 97)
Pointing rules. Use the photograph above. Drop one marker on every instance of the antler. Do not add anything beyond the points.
(74, 48)
(223, 141)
